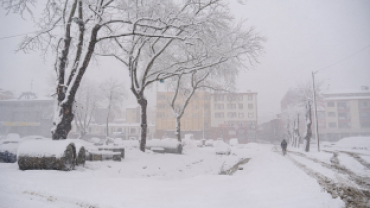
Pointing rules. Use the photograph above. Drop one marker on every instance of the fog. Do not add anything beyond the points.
(186, 104)
(330, 36)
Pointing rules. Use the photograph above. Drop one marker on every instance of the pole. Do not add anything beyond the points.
(315, 114)
(204, 93)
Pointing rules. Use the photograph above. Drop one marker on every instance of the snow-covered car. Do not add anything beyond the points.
(209, 143)
(222, 148)
(233, 142)
(201, 143)
(8, 151)
(9, 146)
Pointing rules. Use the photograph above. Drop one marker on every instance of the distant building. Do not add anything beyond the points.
(133, 115)
(346, 114)
(340, 114)
(196, 118)
(6, 94)
(27, 115)
(117, 130)
(234, 115)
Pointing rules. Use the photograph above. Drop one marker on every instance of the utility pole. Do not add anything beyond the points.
(315, 109)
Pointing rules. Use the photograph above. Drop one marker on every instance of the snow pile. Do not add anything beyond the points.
(190, 143)
(222, 148)
(209, 142)
(353, 143)
(13, 136)
(127, 143)
(44, 148)
(233, 141)
(165, 143)
(81, 143)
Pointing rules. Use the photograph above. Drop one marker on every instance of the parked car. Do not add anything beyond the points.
(209, 143)
(233, 142)
(9, 146)
(222, 148)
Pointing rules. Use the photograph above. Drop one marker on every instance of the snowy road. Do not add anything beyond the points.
(189, 180)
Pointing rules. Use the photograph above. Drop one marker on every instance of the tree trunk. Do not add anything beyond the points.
(308, 123)
(63, 125)
(178, 129)
(143, 104)
(108, 121)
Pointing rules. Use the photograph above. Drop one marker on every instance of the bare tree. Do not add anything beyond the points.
(301, 104)
(87, 100)
(72, 29)
(161, 51)
(114, 93)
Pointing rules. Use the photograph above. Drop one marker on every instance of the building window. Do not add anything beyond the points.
(206, 96)
(219, 97)
(241, 115)
(219, 106)
(332, 125)
(240, 97)
(250, 97)
(195, 115)
(132, 130)
(343, 116)
(240, 105)
(364, 103)
(330, 104)
(119, 130)
(250, 106)
(161, 115)
(195, 106)
(161, 105)
(206, 106)
(250, 115)
(344, 125)
(331, 114)
(219, 115)
(365, 115)
(342, 104)
(161, 97)
(231, 98)
(231, 115)
(231, 106)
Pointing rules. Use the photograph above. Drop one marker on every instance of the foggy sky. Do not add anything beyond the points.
(302, 36)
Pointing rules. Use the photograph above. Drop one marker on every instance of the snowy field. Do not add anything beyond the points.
(169, 180)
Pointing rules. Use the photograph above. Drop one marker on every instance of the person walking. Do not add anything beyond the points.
(284, 145)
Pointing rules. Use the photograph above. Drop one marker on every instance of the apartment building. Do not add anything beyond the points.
(346, 114)
(340, 114)
(27, 115)
(196, 118)
(234, 116)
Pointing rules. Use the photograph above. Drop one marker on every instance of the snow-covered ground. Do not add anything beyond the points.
(169, 180)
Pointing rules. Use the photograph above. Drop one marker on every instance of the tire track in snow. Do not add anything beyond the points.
(351, 196)
(363, 182)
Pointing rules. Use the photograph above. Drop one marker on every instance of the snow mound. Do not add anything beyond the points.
(13, 136)
(354, 143)
(44, 148)
(165, 143)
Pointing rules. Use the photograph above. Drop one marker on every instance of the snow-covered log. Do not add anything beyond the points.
(47, 154)
(119, 149)
(169, 145)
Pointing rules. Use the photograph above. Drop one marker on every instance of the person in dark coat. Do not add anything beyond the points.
(284, 145)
